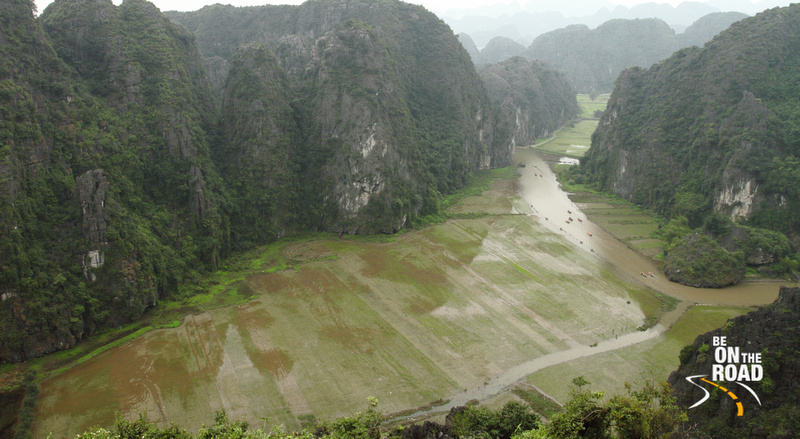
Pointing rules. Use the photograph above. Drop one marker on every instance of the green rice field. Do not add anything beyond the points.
(335, 321)
(574, 139)
(620, 218)
(650, 360)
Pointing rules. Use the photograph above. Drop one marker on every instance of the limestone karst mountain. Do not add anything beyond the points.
(138, 151)
(712, 129)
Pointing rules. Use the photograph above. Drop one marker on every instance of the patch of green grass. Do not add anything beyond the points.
(668, 303)
(476, 185)
(701, 319)
(653, 359)
(539, 403)
(588, 105)
(571, 140)
(307, 422)
(104, 348)
(523, 271)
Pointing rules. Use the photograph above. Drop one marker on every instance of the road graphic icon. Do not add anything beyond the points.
(739, 407)
(732, 366)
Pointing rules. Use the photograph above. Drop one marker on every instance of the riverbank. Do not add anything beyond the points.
(541, 184)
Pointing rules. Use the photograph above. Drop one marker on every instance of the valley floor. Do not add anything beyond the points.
(435, 314)
(511, 299)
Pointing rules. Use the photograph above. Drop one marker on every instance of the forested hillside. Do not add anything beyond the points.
(688, 137)
(137, 155)
(710, 136)
(771, 331)
(498, 49)
(706, 28)
(534, 99)
(109, 195)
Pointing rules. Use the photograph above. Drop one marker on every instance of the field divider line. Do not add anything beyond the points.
(425, 343)
(290, 391)
(511, 300)
(518, 373)
(193, 376)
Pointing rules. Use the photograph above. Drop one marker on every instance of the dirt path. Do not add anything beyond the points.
(517, 374)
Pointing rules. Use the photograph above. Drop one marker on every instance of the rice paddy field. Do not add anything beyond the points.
(571, 140)
(410, 322)
(574, 139)
(588, 105)
(621, 219)
(650, 360)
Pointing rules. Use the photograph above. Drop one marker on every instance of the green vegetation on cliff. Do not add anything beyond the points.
(110, 199)
(534, 99)
(700, 262)
(689, 138)
(771, 331)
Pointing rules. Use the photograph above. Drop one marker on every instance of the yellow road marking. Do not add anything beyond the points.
(740, 409)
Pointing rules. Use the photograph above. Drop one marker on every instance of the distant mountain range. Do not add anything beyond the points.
(593, 58)
(524, 24)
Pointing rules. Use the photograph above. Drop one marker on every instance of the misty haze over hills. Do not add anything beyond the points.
(524, 21)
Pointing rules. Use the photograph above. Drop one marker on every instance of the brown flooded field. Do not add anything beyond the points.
(435, 312)
(471, 306)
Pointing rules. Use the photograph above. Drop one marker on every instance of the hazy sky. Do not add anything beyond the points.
(432, 5)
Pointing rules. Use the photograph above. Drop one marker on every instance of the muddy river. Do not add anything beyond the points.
(538, 186)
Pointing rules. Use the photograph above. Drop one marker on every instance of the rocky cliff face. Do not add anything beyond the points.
(37, 224)
(113, 182)
(771, 331)
(687, 136)
(393, 113)
(534, 99)
(259, 128)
